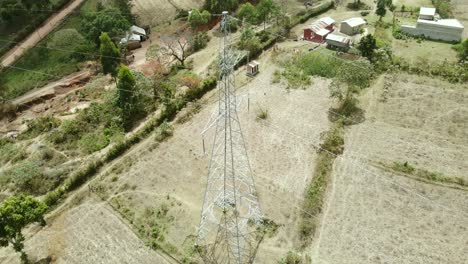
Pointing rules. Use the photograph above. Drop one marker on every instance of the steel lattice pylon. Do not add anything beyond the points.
(231, 212)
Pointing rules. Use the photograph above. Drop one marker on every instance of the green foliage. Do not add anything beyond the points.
(462, 50)
(407, 168)
(367, 45)
(197, 18)
(381, 10)
(357, 5)
(199, 41)
(80, 176)
(28, 176)
(127, 97)
(248, 12)
(110, 55)
(262, 114)
(249, 41)
(291, 258)
(17, 212)
(109, 20)
(218, 6)
(444, 8)
(265, 9)
(165, 131)
(38, 126)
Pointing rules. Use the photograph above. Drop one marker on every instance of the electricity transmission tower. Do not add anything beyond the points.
(231, 213)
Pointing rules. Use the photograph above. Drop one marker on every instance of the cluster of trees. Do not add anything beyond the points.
(12, 9)
(198, 18)
(109, 20)
(382, 6)
(260, 13)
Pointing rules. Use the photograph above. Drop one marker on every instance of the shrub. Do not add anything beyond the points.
(28, 176)
(38, 126)
(291, 258)
(262, 114)
(200, 41)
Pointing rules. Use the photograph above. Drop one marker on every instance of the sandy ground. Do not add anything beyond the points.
(38, 34)
(89, 233)
(282, 164)
(375, 216)
(460, 11)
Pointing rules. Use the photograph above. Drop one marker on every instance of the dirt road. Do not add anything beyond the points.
(11, 56)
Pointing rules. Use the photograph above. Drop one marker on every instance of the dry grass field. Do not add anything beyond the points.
(377, 216)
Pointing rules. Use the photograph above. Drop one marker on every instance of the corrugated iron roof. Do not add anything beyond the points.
(355, 21)
(451, 23)
(427, 11)
(338, 38)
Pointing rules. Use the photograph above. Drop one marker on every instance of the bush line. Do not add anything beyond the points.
(315, 193)
(170, 111)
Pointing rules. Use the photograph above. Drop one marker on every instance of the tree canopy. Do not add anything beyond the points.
(381, 11)
(10, 9)
(110, 55)
(367, 45)
(218, 6)
(248, 12)
(127, 95)
(197, 18)
(109, 20)
(17, 212)
(266, 8)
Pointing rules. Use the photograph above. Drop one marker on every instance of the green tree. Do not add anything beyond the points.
(266, 8)
(248, 12)
(16, 212)
(367, 45)
(110, 55)
(249, 41)
(109, 20)
(197, 18)
(127, 96)
(381, 11)
(218, 6)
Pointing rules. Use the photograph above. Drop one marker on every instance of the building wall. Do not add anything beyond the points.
(426, 17)
(433, 32)
(337, 43)
(348, 30)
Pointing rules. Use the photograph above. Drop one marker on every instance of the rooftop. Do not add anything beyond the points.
(451, 23)
(138, 30)
(355, 21)
(327, 20)
(337, 38)
(427, 11)
(322, 32)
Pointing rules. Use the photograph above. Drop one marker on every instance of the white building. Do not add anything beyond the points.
(438, 29)
(352, 26)
(338, 41)
(427, 13)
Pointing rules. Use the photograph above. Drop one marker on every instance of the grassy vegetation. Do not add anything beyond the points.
(45, 57)
(331, 147)
(24, 24)
(170, 110)
(407, 168)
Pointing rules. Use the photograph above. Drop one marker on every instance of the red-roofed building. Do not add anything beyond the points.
(318, 30)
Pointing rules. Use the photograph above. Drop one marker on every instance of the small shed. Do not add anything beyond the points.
(337, 41)
(252, 68)
(427, 13)
(352, 26)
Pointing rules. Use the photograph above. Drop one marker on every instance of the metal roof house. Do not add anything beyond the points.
(352, 26)
(337, 41)
(438, 29)
(318, 30)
